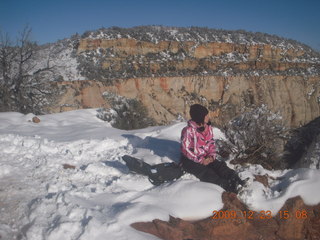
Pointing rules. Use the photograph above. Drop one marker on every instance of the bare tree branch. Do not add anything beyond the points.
(19, 73)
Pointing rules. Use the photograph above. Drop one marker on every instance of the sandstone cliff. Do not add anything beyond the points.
(295, 98)
(104, 59)
(192, 56)
(168, 69)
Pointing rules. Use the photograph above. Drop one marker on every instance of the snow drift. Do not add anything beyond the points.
(99, 198)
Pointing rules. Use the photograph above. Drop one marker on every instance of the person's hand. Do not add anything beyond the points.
(207, 161)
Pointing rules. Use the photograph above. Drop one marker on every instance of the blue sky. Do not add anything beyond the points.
(51, 20)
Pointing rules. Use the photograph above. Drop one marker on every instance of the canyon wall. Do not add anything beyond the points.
(130, 58)
(168, 69)
(296, 99)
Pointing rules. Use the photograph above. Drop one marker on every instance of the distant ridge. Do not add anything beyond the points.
(157, 33)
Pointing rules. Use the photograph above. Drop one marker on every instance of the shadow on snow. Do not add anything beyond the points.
(160, 147)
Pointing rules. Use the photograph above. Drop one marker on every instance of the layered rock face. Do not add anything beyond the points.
(168, 69)
(193, 56)
(294, 98)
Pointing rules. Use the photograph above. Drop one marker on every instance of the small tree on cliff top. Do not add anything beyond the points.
(18, 73)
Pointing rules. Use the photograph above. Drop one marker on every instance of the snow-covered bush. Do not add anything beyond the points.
(125, 113)
(258, 137)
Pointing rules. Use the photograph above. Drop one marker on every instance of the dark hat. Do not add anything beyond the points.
(198, 113)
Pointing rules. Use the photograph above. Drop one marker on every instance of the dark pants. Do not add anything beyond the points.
(216, 172)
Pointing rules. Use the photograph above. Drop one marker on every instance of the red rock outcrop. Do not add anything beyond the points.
(295, 221)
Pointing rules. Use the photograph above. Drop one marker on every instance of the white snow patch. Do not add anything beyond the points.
(100, 198)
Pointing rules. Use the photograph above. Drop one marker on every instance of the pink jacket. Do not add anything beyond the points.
(196, 145)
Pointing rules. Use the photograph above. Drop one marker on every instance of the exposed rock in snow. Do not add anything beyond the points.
(295, 221)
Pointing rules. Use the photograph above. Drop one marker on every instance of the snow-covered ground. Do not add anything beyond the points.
(99, 199)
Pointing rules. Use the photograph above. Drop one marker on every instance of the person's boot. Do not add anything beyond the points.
(236, 183)
(229, 185)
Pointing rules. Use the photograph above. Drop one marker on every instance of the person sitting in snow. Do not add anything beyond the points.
(198, 152)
